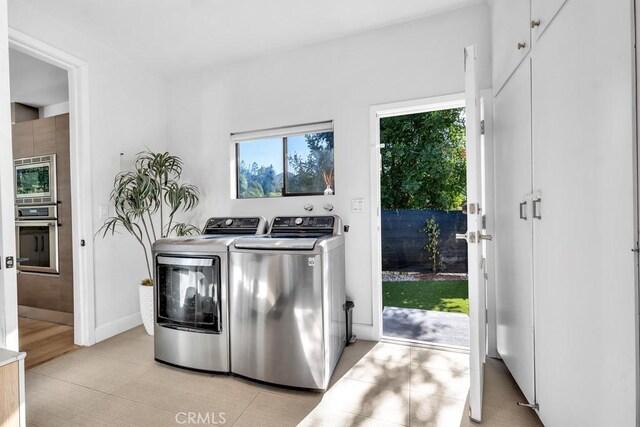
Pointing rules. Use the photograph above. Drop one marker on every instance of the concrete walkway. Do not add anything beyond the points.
(426, 325)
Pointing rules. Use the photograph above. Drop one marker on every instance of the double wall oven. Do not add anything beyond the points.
(36, 214)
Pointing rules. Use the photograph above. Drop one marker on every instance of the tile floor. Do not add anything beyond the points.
(117, 383)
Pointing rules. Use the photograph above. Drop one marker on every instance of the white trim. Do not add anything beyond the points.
(489, 196)
(118, 326)
(422, 105)
(364, 332)
(326, 126)
(81, 192)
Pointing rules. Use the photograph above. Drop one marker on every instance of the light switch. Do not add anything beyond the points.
(104, 211)
(357, 205)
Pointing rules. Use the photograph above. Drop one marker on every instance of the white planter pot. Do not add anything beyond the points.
(146, 307)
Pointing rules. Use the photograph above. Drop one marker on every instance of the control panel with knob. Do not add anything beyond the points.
(298, 221)
(228, 222)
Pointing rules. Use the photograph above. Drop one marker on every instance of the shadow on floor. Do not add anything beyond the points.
(426, 325)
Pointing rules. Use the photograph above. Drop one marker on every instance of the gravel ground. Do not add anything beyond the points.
(403, 276)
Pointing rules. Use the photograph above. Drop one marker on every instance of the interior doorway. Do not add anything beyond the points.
(73, 306)
(43, 207)
(421, 269)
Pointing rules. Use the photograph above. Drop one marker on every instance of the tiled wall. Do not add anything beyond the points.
(34, 138)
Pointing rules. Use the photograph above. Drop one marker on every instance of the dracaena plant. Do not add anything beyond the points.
(147, 198)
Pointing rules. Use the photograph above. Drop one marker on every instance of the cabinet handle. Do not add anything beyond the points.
(535, 23)
(522, 45)
(536, 208)
(523, 212)
(36, 239)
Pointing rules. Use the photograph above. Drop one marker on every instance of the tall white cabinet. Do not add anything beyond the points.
(565, 276)
(514, 228)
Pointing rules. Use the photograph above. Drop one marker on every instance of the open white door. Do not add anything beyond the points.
(8, 280)
(474, 236)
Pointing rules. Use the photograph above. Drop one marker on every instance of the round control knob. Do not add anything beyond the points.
(228, 222)
(298, 221)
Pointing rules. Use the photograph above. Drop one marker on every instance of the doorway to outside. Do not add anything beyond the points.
(422, 195)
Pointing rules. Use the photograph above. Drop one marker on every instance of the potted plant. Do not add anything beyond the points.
(146, 199)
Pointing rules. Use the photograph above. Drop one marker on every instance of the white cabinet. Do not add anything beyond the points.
(513, 228)
(542, 13)
(583, 265)
(566, 281)
(517, 24)
(511, 37)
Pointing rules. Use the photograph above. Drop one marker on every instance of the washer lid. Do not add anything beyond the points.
(276, 243)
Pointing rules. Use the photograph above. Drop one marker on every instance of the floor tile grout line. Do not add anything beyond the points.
(245, 409)
(72, 383)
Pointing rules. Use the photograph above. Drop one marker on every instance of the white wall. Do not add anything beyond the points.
(128, 110)
(336, 80)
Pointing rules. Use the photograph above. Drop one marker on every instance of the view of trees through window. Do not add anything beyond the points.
(308, 167)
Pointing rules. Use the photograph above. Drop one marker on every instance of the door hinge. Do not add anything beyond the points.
(481, 127)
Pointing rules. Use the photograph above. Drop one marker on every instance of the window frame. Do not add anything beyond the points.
(283, 133)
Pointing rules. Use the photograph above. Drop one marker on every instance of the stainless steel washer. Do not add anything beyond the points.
(191, 327)
(287, 296)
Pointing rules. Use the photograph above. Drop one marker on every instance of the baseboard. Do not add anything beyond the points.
(363, 332)
(117, 326)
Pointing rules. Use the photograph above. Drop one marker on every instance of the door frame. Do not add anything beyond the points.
(423, 105)
(81, 192)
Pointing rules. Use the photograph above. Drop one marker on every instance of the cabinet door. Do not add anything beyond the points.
(542, 13)
(583, 263)
(513, 235)
(511, 37)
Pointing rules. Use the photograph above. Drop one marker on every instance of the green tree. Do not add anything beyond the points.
(258, 181)
(423, 160)
(306, 173)
(432, 230)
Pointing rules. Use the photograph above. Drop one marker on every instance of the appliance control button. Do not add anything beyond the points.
(298, 221)
(228, 222)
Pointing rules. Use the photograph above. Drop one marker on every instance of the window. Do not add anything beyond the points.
(294, 161)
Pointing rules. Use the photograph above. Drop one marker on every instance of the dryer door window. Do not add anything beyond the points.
(188, 293)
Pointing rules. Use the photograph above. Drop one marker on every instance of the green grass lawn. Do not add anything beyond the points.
(447, 295)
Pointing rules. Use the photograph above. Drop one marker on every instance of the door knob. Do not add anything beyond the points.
(470, 237)
(521, 45)
(535, 23)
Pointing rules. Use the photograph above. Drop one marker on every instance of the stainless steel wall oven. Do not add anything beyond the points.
(37, 238)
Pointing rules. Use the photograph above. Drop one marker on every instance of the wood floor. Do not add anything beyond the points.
(44, 341)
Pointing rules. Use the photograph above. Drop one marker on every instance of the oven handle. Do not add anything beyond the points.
(36, 222)
(190, 262)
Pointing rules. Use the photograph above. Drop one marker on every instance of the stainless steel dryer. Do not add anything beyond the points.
(191, 327)
(286, 302)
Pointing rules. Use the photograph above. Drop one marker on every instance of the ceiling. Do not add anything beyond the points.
(36, 83)
(173, 35)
